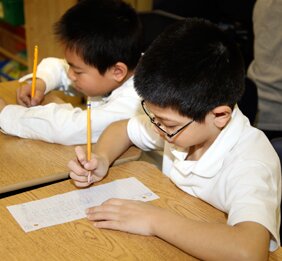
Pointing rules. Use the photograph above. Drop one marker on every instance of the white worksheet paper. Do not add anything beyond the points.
(71, 206)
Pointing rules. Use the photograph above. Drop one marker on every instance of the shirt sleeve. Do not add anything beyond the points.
(53, 71)
(141, 132)
(64, 124)
(255, 196)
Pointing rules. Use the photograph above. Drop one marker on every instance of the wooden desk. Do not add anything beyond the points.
(25, 163)
(79, 240)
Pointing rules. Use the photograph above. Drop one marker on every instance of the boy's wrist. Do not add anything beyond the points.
(41, 84)
(106, 162)
(160, 220)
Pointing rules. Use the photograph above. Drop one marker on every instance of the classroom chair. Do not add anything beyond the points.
(249, 101)
(277, 145)
(154, 22)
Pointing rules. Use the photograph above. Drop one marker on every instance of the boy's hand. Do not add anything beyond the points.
(2, 104)
(125, 215)
(80, 167)
(24, 94)
(52, 97)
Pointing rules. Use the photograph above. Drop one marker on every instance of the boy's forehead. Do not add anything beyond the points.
(165, 113)
(74, 59)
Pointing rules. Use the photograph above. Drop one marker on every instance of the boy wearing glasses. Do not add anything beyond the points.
(191, 79)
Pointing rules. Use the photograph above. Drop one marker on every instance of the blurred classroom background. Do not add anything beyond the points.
(25, 23)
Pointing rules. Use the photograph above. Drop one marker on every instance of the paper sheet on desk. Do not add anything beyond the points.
(71, 206)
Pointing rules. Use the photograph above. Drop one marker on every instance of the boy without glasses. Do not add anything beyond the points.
(102, 44)
(191, 79)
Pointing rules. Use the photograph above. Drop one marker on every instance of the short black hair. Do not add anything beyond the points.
(102, 33)
(191, 67)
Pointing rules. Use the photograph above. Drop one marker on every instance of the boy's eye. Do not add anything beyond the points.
(171, 127)
(74, 70)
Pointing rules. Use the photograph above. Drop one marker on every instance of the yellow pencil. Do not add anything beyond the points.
(34, 71)
(89, 135)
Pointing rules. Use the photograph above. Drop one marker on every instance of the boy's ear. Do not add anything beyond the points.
(119, 71)
(222, 115)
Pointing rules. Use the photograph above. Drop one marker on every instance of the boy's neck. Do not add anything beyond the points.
(129, 74)
(118, 84)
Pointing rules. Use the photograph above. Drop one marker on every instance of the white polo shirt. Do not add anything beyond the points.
(239, 174)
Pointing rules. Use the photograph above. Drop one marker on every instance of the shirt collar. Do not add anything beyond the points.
(127, 84)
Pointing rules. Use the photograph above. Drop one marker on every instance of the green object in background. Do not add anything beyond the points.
(12, 70)
(12, 11)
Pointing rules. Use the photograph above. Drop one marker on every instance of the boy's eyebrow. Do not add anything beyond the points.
(170, 120)
(72, 65)
(163, 118)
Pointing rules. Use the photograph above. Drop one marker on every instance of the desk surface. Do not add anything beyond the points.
(79, 240)
(25, 163)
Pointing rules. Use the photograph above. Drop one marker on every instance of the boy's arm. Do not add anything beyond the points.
(206, 241)
(51, 74)
(111, 144)
(212, 241)
(54, 123)
(63, 124)
(53, 71)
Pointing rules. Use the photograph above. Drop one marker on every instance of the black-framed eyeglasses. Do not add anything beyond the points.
(159, 126)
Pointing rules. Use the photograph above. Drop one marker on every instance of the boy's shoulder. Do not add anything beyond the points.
(239, 149)
(250, 146)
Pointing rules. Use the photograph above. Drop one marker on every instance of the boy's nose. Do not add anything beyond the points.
(158, 131)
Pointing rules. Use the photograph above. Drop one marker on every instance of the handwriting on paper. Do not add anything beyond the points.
(71, 206)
